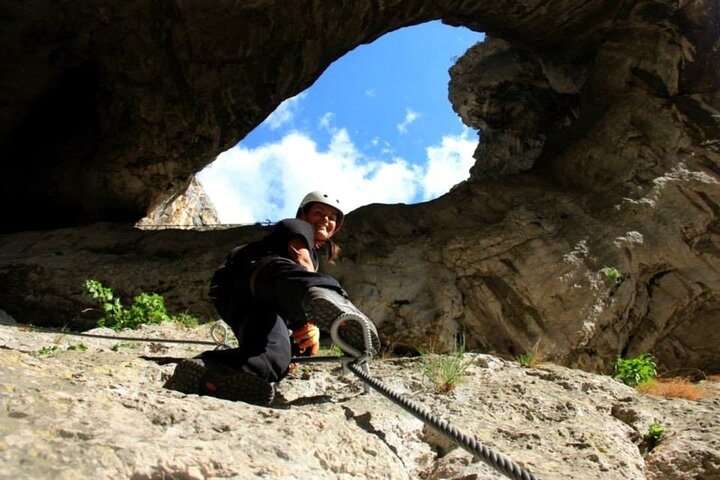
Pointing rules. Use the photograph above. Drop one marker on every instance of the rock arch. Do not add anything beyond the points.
(600, 148)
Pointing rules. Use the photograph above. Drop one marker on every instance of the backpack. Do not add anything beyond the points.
(218, 291)
(221, 284)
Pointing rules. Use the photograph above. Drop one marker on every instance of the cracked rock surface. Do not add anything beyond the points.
(86, 407)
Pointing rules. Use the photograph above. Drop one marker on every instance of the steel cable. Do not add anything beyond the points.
(499, 462)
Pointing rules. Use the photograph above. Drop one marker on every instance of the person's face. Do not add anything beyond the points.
(323, 218)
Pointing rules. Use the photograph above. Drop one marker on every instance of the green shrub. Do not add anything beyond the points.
(635, 371)
(445, 372)
(148, 308)
(114, 312)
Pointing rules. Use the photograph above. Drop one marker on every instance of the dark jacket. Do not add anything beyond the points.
(276, 242)
(230, 284)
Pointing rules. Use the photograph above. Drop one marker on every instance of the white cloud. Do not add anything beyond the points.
(369, 92)
(267, 182)
(448, 164)
(410, 117)
(285, 112)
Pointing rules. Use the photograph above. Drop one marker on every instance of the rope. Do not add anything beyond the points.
(500, 463)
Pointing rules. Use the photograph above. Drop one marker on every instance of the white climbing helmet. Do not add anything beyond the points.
(326, 199)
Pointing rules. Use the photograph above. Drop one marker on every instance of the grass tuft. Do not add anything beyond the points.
(534, 358)
(445, 371)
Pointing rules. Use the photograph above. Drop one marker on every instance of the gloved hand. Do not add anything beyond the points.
(307, 336)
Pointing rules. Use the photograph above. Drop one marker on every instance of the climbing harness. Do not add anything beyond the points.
(358, 363)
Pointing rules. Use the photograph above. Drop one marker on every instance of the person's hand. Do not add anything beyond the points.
(307, 337)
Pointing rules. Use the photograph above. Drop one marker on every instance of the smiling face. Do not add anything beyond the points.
(323, 218)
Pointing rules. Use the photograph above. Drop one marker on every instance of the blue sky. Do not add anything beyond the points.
(376, 127)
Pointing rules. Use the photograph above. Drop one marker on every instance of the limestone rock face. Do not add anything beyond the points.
(95, 407)
(599, 152)
(193, 208)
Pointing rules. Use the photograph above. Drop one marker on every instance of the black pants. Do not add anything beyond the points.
(260, 321)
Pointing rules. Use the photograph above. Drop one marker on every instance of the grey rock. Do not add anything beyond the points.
(192, 209)
(102, 412)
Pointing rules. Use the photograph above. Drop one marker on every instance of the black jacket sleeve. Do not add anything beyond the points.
(287, 229)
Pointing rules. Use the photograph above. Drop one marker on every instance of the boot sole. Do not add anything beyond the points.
(187, 377)
(238, 387)
(191, 376)
(326, 306)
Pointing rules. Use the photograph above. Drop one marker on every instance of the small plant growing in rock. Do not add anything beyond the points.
(186, 319)
(533, 358)
(118, 346)
(635, 371)
(331, 351)
(652, 436)
(445, 372)
(524, 359)
(47, 350)
(302, 370)
(612, 274)
(148, 308)
(54, 348)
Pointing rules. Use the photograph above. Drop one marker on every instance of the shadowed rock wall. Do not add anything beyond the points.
(599, 148)
(110, 106)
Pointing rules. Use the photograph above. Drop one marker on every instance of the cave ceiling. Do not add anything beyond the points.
(110, 107)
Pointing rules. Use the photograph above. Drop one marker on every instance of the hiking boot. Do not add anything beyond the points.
(201, 377)
(324, 306)
(237, 386)
(187, 376)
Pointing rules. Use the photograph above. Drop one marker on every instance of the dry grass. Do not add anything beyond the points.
(537, 355)
(674, 388)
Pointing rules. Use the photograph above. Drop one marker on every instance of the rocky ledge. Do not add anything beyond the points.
(90, 407)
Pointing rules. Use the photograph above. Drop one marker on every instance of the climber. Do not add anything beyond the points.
(268, 292)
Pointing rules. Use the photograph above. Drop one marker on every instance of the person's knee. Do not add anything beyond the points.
(272, 367)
